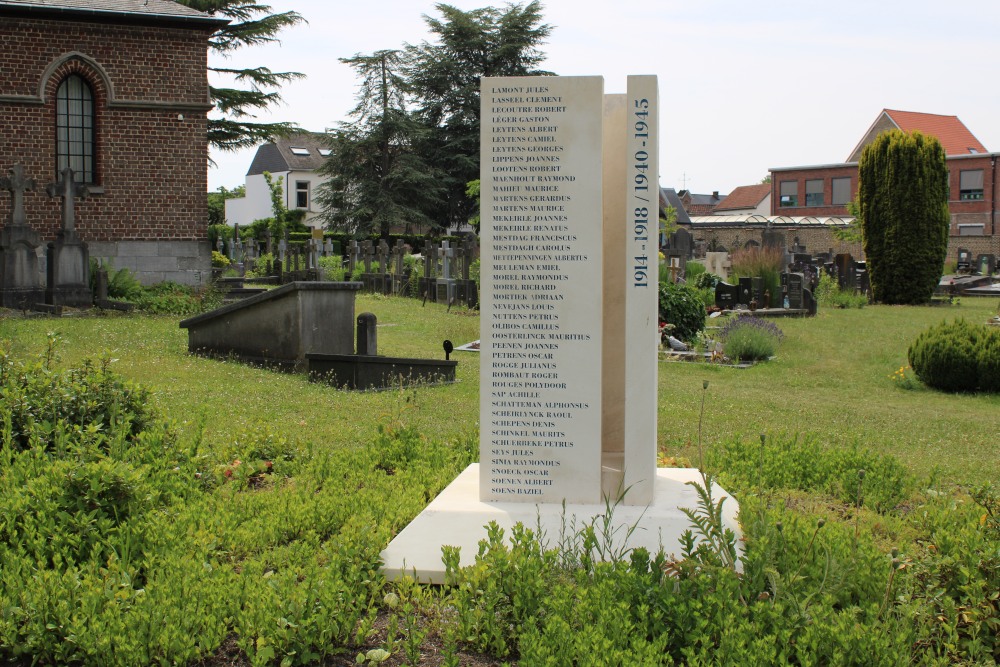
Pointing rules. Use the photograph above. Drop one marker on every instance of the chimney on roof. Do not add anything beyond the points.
(715, 194)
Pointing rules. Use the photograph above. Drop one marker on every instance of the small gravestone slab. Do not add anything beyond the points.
(986, 264)
(726, 295)
(757, 290)
(964, 259)
(796, 290)
(745, 295)
(808, 302)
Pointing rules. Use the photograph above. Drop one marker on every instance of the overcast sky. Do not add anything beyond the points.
(744, 86)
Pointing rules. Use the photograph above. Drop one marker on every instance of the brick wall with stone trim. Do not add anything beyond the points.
(150, 91)
(817, 239)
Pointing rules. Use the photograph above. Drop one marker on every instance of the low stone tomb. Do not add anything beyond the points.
(368, 370)
(279, 327)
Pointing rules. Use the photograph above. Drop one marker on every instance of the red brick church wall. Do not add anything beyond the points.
(151, 101)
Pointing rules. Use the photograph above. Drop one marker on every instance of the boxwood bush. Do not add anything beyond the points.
(957, 356)
(683, 307)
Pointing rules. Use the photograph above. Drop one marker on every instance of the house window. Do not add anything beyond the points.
(299, 150)
(75, 129)
(971, 230)
(970, 185)
(302, 194)
(840, 191)
(814, 192)
(789, 194)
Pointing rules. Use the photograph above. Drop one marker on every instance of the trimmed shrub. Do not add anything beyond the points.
(682, 306)
(750, 338)
(957, 356)
(989, 362)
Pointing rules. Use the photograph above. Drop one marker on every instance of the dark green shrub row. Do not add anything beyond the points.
(958, 356)
(682, 307)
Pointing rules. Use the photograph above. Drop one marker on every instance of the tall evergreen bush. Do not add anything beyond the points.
(903, 205)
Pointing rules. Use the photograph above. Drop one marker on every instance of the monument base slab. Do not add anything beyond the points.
(458, 518)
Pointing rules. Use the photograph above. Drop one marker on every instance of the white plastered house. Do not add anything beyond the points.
(297, 159)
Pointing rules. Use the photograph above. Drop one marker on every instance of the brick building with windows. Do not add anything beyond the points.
(826, 190)
(118, 91)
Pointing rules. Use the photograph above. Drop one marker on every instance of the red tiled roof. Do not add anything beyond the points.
(745, 196)
(954, 136)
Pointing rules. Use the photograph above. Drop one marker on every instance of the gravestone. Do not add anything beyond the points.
(964, 259)
(757, 290)
(726, 295)
(398, 263)
(796, 290)
(809, 302)
(772, 239)
(717, 263)
(426, 283)
(568, 327)
(382, 282)
(986, 264)
(745, 295)
(445, 285)
(465, 287)
(353, 255)
(845, 271)
(68, 261)
(367, 334)
(20, 283)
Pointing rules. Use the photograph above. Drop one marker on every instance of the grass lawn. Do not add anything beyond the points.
(830, 381)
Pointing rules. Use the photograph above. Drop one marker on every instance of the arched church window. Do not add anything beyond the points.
(75, 129)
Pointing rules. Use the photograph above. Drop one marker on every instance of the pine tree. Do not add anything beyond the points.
(250, 24)
(903, 205)
(376, 177)
(444, 78)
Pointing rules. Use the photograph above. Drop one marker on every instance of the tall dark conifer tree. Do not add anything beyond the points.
(444, 78)
(376, 177)
(903, 206)
(250, 23)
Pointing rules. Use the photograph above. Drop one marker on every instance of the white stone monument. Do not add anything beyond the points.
(568, 331)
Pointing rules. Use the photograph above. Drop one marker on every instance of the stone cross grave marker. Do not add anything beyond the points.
(368, 254)
(20, 283)
(17, 184)
(67, 190)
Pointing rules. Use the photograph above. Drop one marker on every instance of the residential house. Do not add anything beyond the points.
(827, 189)
(296, 160)
(117, 90)
(746, 200)
(699, 204)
